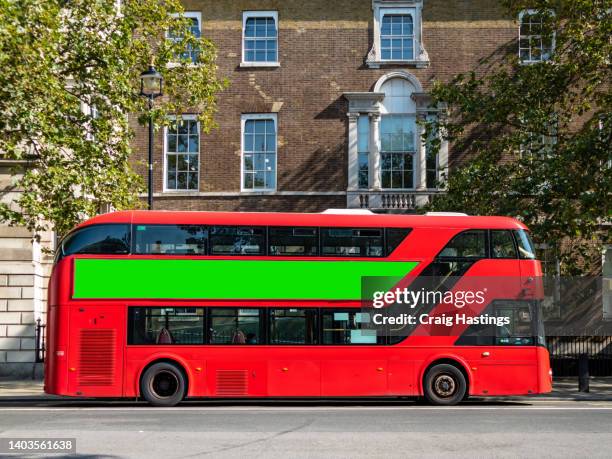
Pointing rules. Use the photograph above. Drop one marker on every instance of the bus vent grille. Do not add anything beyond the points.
(232, 382)
(97, 358)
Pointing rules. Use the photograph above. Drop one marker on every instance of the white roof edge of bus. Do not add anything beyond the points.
(348, 212)
(446, 214)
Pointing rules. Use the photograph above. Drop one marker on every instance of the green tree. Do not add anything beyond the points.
(69, 79)
(535, 137)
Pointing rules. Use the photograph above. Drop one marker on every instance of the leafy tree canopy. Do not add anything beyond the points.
(535, 137)
(69, 79)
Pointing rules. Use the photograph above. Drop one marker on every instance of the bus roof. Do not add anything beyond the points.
(304, 219)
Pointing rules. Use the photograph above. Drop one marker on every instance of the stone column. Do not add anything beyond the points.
(353, 152)
(421, 156)
(374, 156)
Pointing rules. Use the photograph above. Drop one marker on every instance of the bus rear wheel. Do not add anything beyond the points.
(444, 385)
(163, 384)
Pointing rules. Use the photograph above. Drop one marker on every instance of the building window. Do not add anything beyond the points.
(363, 150)
(397, 134)
(397, 37)
(259, 152)
(397, 151)
(191, 52)
(182, 155)
(397, 34)
(535, 44)
(260, 37)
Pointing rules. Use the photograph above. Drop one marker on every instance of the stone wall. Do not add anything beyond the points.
(24, 272)
(24, 277)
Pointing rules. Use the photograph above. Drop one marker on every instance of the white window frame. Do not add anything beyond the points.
(260, 14)
(398, 11)
(414, 154)
(165, 150)
(187, 14)
(520, 22)
(413, 8)
(258, 116)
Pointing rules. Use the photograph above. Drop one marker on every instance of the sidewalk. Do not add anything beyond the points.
(563, 389)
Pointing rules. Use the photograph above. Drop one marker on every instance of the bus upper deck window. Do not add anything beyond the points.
(170, 239)
(237, 240)
(349, 242)
(395, 236)
(293, 241)
(97, 239)
(469, 244)
(502, 244)
(525, 246)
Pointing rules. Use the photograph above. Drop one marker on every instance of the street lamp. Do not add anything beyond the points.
(151, 83)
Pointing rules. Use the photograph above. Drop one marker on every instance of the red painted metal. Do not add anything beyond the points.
(279, 371)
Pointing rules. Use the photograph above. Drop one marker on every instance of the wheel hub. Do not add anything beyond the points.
(164, 384)
(444, 386)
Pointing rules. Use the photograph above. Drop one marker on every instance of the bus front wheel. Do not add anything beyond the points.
(444, 385)
(163, 384)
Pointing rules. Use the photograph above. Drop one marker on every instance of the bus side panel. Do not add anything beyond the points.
(353, 370)
(401, 376)
(57, 333)
(237, 371)
(95, 362)
(544, 372)
(503, 370)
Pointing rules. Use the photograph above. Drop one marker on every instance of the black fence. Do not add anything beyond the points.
(565, 350)
(39, 345)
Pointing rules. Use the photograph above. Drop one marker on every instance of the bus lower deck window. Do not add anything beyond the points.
(235, 326)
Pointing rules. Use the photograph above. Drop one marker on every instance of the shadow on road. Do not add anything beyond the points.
(263, 403)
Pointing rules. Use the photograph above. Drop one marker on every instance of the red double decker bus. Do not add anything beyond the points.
(169, 305)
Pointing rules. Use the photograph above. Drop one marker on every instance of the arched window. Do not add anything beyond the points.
(398, 134)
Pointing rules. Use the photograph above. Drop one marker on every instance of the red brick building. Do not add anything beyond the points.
(322, 105)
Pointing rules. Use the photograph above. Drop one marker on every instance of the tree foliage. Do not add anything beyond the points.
(69, 79)
(535, 138)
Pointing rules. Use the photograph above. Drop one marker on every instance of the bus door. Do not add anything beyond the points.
(294, 369)
(95, 359)
(512, 356)
(351, 361)
(236, 364)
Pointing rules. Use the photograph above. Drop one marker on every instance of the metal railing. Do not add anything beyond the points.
(565, 352)
(39, 345)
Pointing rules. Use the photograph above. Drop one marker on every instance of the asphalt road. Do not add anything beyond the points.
(251, 429)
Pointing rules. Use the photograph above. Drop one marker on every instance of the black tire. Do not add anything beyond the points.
(163, 384)
(444, 384)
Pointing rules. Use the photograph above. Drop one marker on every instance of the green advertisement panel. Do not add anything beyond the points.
(230, 279)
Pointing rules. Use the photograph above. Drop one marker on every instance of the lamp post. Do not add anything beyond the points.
(151, 87)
